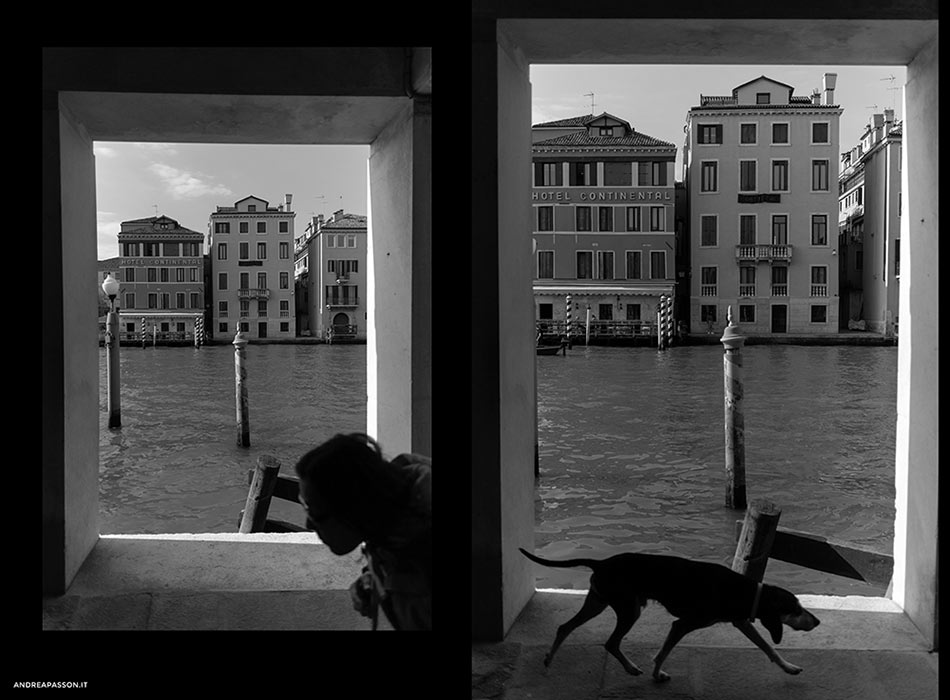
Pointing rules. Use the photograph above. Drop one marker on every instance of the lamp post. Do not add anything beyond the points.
(111, 287)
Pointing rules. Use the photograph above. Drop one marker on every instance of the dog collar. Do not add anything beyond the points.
(755, 602)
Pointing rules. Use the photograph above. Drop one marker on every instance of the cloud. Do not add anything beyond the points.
(108, 224)
(103, 151)
(165, 148)
(184, 185)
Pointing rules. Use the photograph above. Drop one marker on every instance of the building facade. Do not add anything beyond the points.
(604, 228)
(870, 202)
(252, 266)
(761, 166)
(161, 282)
(330, 277)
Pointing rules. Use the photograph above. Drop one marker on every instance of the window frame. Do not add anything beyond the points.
(788, 178)
(702, 176)
(755, 142)
(788, 134)
(755, 174)
(827, 125)
(702, 231)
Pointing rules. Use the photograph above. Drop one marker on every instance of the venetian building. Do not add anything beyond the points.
(252, 266)
(869, 211)
(603, 222)
(761, 167)
(160, 275)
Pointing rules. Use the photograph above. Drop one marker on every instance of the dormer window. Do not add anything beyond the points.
(763, 98)
(606, 131)
(252, 207)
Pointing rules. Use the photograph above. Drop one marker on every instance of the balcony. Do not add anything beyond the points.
(819, 290)
(253, 294)
(746, 290)
(767, 252)
(708, 290)
(779, 290)
(337, 302)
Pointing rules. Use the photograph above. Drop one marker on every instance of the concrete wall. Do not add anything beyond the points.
(398, 379)
(916, 522)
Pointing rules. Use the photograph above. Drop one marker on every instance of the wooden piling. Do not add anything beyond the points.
(259, 494)
(755, 540)
(587, 332)
(240, 389)
(734, 415)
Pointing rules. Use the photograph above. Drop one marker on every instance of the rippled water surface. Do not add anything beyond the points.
(632, 453)
(174, 465)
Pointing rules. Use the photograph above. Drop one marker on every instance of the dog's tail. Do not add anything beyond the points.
(565, 564)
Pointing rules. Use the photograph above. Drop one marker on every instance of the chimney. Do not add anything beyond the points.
(828, 81)
(888, 116)
(338, 214)
(319, 221)
(288, 198)
(816, 97)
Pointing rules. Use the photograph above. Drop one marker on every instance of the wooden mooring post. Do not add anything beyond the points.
(732, 343)
(755, 539)
(259, 494)
(240, 389)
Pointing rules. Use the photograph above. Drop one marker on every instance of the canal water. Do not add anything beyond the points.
(631, 448)
(174, 466)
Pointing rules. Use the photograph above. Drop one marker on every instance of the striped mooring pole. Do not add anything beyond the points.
(199, 331)
(732, 343)
(567, 316)
(143, 332)
(661, 323)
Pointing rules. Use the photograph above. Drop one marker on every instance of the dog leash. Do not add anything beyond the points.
(755, 602)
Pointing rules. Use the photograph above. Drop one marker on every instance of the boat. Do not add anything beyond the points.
(548, 349)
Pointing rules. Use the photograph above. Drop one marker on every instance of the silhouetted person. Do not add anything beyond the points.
(352, 496)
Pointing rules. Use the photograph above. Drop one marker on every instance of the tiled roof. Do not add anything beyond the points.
(583, 139)
(346, 221)
(729, 103)
(570, 121)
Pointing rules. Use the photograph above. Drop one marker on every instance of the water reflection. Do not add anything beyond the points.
(631, 450)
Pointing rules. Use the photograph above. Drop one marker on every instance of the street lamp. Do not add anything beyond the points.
(111, 287)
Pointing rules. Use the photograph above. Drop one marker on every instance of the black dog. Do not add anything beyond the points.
(698, 594)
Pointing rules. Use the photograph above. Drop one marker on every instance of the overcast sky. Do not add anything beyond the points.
(655, 99)
(187, 181)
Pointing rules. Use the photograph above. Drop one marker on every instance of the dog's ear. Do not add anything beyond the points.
(774, 625)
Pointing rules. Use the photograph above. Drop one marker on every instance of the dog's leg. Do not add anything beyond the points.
(752, 633)
(679, 629)
(593, 606)
(626, 617)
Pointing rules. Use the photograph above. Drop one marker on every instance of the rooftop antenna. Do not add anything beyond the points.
(156, 209)
(591, 96)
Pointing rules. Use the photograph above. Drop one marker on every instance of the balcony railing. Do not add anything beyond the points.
(779, 290)
(708, 290)
(342, 301)
(756, 252)
(254, 293)
(819, 290)
(598, 329)
(746, 290)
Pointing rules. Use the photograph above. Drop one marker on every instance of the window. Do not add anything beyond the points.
(222, 280)
(179, 300)
(244, 306)
(763, 98)
(242, 227)
(153, 301)
(243, 253)
(819, 275)
(129, 275)
(252, 207)
(284, 326)
(164, 299)
(546, 264)
(351, 241)
(282, 227)
(179, 274)
(747, 182)
(634, 261)
(707, 313)
(584, 174)
(709, 231)
(780, 133)
(545, 218)
(708, 279)
(897, 257)
(746, 313)
(659, 170)
(222, 251)
(709, 176)
(548, 175)
(657, 265)
(151, 274)
(633, 312)
(222, 227)
(545, 312)
(633, 219)
(262, 280)
(261, 307)
(819, 314)
(747, 229)
(606, 131)
(331, 241)
(651, 173)
(262, 251)
(284, 280)
(819, 175)
(585, 265)
(163, 274)
(130, 327)
(171, 250)
(605, 218)
(341, 241)
(618, 174)
(195, 300)
(262, 227)
(748, 133)
(605, 312)
(583, 218)
(780, 176)
(605, 264)
(747, 280)
(657, 218)
(284, 249)
(244, 280)
(710, 133)
(779, 229)
(819, 132)
(150, 249)
(130, 300)
(819, 229)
